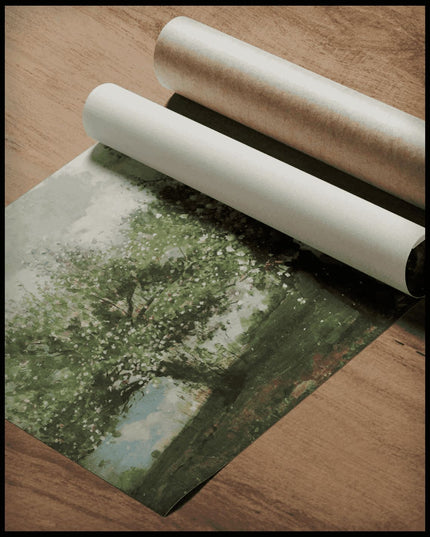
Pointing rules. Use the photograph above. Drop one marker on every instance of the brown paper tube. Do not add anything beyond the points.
(369, 139)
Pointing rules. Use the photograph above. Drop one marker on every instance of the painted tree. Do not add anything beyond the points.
(111, 321)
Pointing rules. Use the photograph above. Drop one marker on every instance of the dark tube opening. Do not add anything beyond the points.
(415, 280)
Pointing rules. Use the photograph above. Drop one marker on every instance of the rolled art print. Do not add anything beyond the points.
(152, 333)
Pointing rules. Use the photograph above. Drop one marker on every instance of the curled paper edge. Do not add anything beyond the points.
(342, 225)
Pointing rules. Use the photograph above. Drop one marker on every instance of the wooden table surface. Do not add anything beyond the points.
(351, 455)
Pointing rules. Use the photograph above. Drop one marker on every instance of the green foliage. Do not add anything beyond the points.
(110, 321)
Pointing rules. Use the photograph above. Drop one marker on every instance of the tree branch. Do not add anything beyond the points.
(103, 299)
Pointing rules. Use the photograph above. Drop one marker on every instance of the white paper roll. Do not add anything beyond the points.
(347, 129)
(342, 225)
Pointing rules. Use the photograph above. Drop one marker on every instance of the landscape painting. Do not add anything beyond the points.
(152, 333)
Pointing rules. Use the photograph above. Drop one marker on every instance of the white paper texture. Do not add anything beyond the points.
(342, 225)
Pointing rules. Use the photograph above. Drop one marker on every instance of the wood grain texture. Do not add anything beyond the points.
(351, 455)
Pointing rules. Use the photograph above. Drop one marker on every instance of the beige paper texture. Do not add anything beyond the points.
(338, 223)
(342, 127)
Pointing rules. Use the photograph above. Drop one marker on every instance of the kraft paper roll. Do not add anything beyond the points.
(342, 127)
(340, 224)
